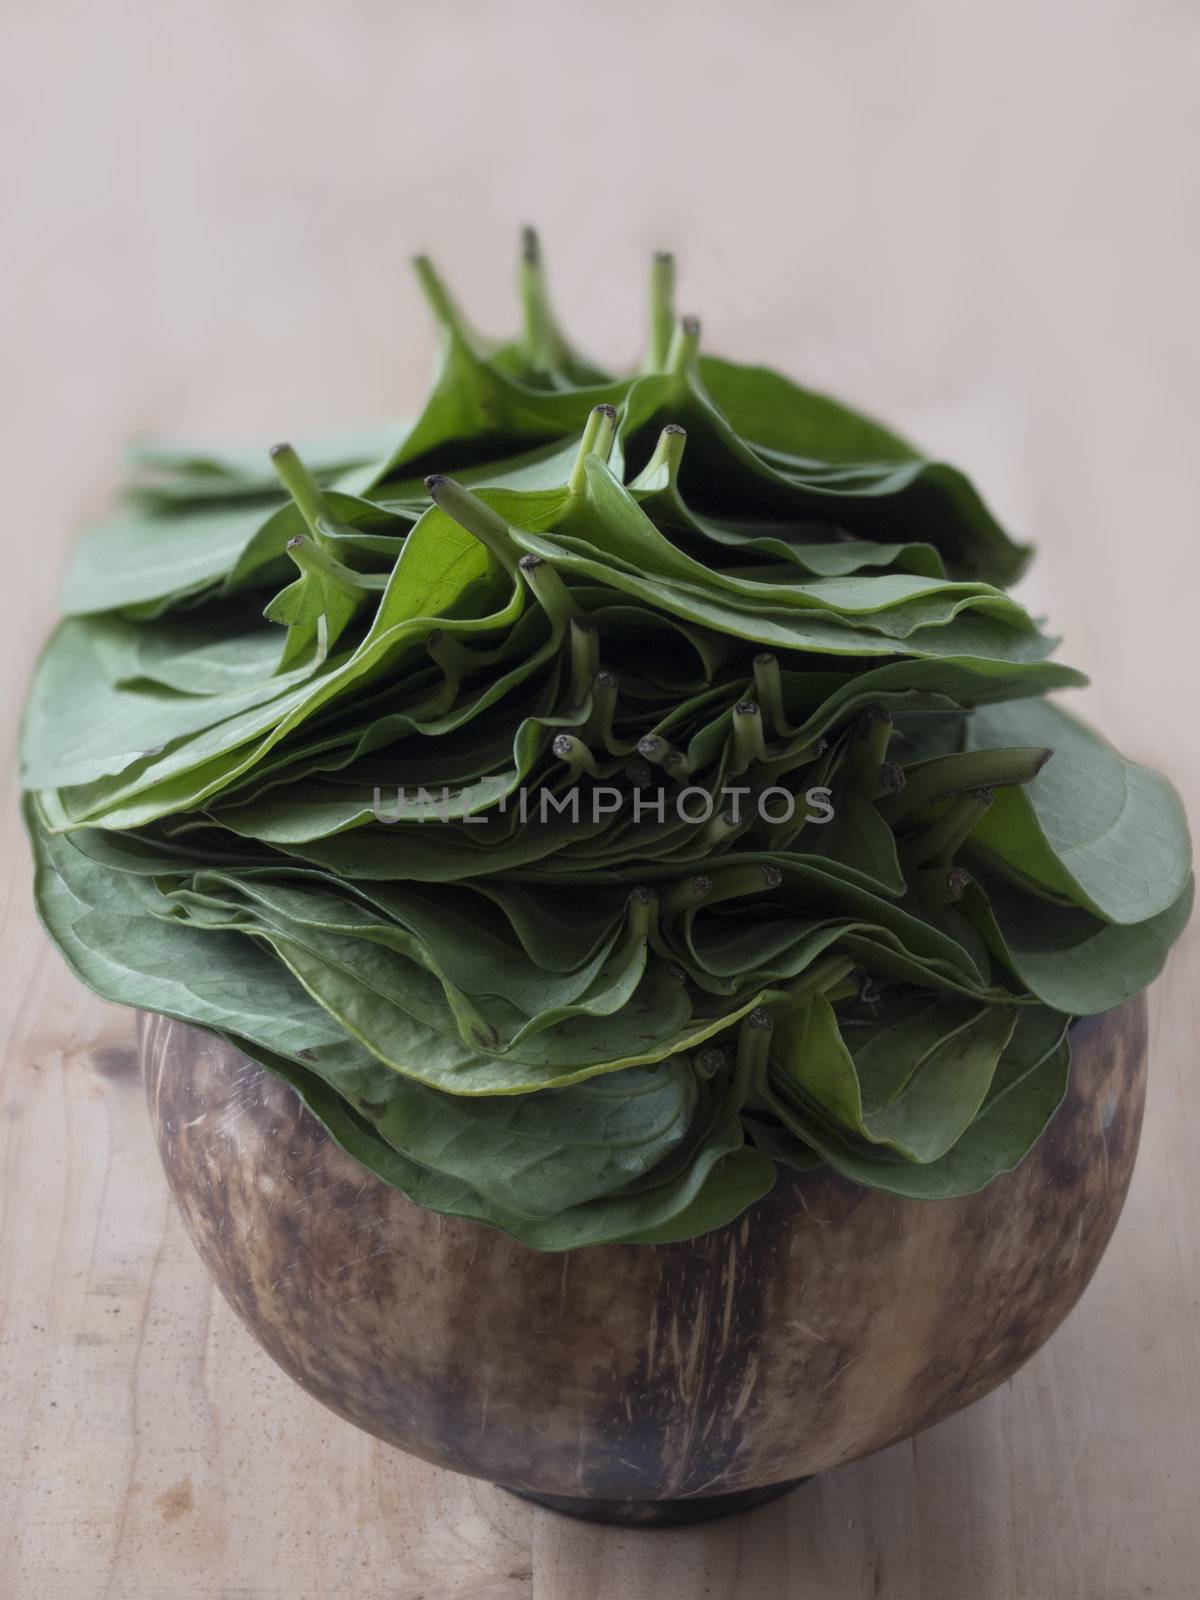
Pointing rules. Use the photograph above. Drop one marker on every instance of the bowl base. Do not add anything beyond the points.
(659, 1513)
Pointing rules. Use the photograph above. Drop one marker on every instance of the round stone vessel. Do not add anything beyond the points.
(640, 1383)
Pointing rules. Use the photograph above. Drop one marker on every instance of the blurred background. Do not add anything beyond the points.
(980, 221)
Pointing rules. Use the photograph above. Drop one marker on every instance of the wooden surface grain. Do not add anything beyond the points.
(980, 221)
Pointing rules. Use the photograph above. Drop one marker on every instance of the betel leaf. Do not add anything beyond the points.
(1068, 958)
(1031, 1082)
(138, 559)
(714, 1187)
(1091, 828)
(914, 1086)
(596, 793)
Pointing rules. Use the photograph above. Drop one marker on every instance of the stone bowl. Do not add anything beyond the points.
(640, 1383)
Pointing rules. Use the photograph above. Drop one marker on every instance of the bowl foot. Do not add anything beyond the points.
(659, 1513)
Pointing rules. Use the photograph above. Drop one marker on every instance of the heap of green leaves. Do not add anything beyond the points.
(694, 575)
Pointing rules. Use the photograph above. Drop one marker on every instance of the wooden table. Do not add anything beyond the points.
(983, 221)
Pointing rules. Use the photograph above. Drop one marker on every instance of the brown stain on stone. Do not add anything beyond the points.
(826, 1322)
(176, 1501)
